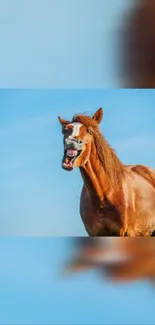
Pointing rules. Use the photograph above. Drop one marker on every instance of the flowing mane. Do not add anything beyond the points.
(109, 160)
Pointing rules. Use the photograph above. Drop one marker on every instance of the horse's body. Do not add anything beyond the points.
(116, 200)
(129, 210)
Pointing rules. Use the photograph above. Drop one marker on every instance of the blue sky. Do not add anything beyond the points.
(62, 44)
(32, 291)
(37, 196)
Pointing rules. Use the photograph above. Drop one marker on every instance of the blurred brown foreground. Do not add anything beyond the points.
(137, 45)
(120, 259)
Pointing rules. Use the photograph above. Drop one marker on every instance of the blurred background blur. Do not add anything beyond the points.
(138, 46)
(36, 290)
(120, 259)
(77, 44)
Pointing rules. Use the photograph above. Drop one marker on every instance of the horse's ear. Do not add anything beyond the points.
(62, 121)
(98, 115)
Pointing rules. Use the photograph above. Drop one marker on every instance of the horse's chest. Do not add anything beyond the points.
(99, 223)
(92, 221)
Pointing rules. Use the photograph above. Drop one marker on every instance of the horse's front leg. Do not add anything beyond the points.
(127, 229)
(123, 232)
(128, 233)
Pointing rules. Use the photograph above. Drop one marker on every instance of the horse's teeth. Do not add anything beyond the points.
(71, 153)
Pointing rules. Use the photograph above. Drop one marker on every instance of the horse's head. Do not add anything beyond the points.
(77, 138)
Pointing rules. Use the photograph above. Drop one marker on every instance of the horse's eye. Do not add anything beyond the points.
(79, 141)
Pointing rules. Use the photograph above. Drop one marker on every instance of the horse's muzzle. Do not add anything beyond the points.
(74, 144)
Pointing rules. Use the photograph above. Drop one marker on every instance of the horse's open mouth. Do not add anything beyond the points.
(69, 158)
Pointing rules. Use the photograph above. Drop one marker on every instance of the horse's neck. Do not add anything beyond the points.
(95, 178)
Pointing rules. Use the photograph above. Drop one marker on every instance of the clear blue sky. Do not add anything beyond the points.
(57, 43)
(32, 291)
(37, 196)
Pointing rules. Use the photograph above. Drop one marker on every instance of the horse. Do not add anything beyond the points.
(116, 199)
(120, 261)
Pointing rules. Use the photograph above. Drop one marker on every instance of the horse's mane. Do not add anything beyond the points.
(109, 160)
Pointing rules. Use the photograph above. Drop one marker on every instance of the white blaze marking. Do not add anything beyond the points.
(76, 129)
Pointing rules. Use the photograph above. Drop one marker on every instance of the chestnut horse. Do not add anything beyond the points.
(116, 200)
